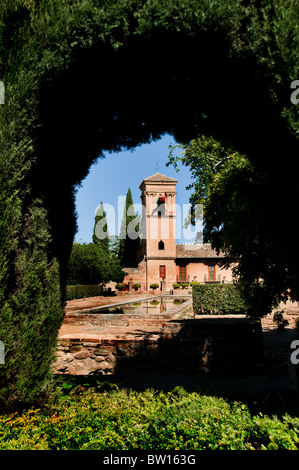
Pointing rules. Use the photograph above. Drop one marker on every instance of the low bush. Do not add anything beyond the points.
(280, 321)
(154, 286)
(184, 285)
(217, 299)
(176, 285)
(120, 286)
(83, 418)
(136, 286)
(81, 291)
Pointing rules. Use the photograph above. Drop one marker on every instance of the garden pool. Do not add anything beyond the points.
(146, 307)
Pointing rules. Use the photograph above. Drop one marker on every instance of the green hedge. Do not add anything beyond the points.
(126, 420)
(42, 44)
(81, 291)
(217, 299)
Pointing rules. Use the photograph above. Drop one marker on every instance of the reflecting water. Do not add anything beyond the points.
(145, 307)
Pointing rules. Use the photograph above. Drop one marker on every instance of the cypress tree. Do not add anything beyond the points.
(129, 234)
(100, 235)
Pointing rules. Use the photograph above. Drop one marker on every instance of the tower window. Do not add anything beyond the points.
(161, 200)
(161, 206)
(161, 245)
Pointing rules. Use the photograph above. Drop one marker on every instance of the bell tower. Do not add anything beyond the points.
(158, 246)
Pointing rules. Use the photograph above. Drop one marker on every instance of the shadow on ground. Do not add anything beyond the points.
(250, 366)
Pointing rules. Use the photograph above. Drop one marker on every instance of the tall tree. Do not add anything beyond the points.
(95, 263)
(90, 264)
(239, 220)
(100, 230)
(129, 240)
(114, 245)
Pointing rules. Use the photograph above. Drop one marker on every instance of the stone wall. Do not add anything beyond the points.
(206, 345)
(94, 356)
(212, 345)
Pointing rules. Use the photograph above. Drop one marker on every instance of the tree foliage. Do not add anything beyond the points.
(84, 77)
(90, 264)
(100, 234)
(240, 221)
(129, 240)
(95, 263)
(217, 299)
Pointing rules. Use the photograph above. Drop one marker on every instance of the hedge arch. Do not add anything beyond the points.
(86, 77)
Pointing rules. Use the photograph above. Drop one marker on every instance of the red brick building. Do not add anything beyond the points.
(161, 260)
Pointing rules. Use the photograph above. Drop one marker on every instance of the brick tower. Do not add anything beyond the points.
(158, 247)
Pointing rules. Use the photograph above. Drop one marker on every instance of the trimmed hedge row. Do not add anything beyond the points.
(81, 291)
(217, 299)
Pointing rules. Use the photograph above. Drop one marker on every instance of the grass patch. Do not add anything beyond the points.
(96, 416)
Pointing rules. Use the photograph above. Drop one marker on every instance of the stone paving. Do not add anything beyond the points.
(276, 343)
(127, 327)
(69, 328)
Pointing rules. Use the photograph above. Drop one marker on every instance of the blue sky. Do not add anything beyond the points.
(109, 179)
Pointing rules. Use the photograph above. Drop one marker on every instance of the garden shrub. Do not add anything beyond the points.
(176, 285)
(136, 286)
(120, 286)
(83, 418)
(178, 301)
(217, 299)
(184, 285)
(154, 286)
(81, 291)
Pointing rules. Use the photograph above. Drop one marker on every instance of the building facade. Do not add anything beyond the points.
(160, 259)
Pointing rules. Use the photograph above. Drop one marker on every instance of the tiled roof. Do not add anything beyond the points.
(197, 251)
(160, 178)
